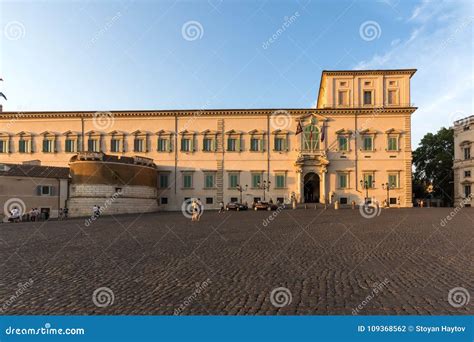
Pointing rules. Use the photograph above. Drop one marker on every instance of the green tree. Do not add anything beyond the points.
(433, 162)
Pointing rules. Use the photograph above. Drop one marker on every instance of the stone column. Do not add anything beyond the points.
(299, 188)
(323, 185)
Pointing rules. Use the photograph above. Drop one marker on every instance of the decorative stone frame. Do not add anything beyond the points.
(393, 133)
(260, 135)
(192, 137)
(29, 137)
(284, 134)
(166, 135)
(234, 134)
(7, 137)
(368, 132)
(121, 136)
(138, 134)
(346, 134)
(49, 136)
(208, 134)
(94, 135)
(74, 136)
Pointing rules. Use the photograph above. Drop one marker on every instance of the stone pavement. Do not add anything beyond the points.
(301, 262)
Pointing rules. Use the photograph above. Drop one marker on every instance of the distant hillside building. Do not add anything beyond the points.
(464, 161)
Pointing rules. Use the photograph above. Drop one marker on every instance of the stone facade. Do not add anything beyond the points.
(359, 134)
(116, 185)
(463, 161)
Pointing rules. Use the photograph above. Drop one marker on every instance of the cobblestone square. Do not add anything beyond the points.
(299, 262)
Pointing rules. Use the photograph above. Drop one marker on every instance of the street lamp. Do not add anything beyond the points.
(241, 189)
(366, 185)
(265, 186)
(388, 187)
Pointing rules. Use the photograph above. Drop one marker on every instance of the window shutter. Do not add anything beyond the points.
(52, 191)
(38, 190)
(238, 141)
(191, 143)
(169, 144)
(285, 143)
(215, 143)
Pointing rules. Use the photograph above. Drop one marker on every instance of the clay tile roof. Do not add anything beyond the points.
(21, 170)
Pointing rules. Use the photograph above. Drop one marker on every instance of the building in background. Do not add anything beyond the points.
(463, 161)
(355, 144)
(31, 186)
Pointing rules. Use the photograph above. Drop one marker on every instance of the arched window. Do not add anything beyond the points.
(311, 137)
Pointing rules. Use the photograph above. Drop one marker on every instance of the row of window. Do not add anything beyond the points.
(233, 177)
(280, 180)
(368, 96)
(368, 179)
(310, 142)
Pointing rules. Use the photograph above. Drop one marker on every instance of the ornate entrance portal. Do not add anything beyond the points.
(311, 188)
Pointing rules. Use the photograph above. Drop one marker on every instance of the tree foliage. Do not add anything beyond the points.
(433, 162)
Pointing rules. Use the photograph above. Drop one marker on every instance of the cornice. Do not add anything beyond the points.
(206, 113)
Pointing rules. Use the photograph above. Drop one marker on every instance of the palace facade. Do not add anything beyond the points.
(352, 146)
(463, 164)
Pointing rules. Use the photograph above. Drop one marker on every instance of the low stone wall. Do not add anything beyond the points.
(111, 199)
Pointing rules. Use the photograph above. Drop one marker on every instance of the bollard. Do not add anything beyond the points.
(336, 205)
(353, 204)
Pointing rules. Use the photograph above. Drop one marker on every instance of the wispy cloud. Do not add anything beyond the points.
(440, 46)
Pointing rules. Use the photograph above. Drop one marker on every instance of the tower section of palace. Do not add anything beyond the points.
(352, 146)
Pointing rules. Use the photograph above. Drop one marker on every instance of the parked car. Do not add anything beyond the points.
(260, 205)
(236, 206)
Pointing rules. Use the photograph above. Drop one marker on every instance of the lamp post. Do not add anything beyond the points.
(241, 189)
(366, 185)
(265, 186)
(387, 187)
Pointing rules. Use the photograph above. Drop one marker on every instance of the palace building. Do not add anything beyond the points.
(463, 164)
(353, 145)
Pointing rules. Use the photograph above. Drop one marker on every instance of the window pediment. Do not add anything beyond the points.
(344, 132)
(368, 131)
(234, 132)
(394, 131)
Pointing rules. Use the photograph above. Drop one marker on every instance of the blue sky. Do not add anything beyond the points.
(110, 55)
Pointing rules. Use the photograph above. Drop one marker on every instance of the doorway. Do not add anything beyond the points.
(311, 188)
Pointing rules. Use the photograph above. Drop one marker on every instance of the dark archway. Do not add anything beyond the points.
(311, 188)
